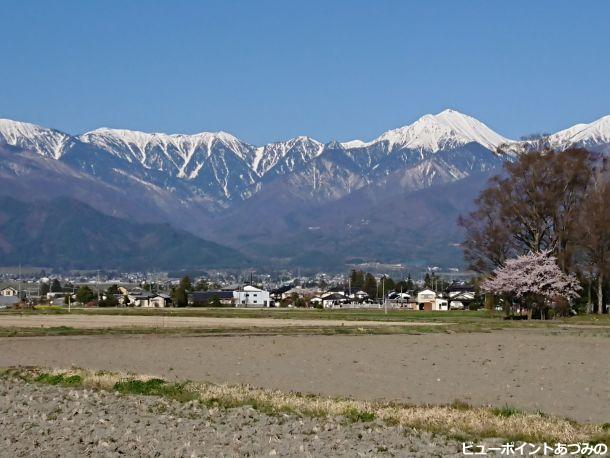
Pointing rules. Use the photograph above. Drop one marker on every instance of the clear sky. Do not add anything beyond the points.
(270, 70)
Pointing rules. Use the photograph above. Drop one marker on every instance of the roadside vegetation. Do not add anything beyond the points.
(226, 331)
(402, 322)
(458, 420)
(280, 313)
(454, 316)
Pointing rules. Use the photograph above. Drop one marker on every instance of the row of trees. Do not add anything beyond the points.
(180, 293)
(85, 294)
(545, 202)
(54, 287)
(359, 280)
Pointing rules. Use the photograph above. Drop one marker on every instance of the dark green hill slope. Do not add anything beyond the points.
(66, 233)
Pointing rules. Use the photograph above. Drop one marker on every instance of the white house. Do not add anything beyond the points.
(147, 300)
(333, 299)
(426, 295)
(249, 296)
(302, 292)
(138, 299)
(9, 291)
(428, 300)
(160, 301)
(460, 296)
(440, 304)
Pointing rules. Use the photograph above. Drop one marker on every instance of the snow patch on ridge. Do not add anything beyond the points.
(41, 140)
(595, 135)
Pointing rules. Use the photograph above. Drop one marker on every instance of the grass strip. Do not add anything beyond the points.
(479, 318)
(458, 420)
(230, 331)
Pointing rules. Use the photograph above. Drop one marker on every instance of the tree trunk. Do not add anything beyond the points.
(600, 293)
(489, 301)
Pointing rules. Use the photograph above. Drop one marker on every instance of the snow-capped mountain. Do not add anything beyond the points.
(213, 163)
(285, 156)
(594, 136)
(450, 145)
(232, 192)
(41, 140)
(219, 167)
(177, 155)
(445, 130)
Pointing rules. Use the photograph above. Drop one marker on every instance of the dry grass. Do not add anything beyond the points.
(230, 331)
(458, 420)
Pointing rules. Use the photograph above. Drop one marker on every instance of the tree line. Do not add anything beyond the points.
(367, 282)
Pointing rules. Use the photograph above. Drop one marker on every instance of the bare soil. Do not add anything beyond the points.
(565, 375)
(43, 420)
(124, 321)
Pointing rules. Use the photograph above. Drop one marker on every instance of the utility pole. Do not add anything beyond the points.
(385, 304)
(70, 299)
(349, 286)
(401, 295)
(19, 284)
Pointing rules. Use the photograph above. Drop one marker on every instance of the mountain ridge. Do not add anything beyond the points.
(465, 127)
(226, 190)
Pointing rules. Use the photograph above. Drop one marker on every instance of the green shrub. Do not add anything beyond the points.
(60, 379)
(355, 415)
(156, 387)
(49, 307)
(149, 387)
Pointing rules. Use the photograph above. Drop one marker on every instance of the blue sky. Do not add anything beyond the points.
(270, 70)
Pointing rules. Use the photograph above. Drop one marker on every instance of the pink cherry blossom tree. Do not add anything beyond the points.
(533, 280)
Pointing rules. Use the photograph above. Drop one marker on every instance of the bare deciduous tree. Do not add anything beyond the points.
(594, 229)
(532, 207)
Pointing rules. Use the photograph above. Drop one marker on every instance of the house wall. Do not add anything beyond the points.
(426, 297)
(8, 292)
(252, 298)
(330, 304)
(157, 302)
(440, 304)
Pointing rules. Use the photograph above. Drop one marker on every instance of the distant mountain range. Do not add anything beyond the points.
(298, 202)
(66, 233)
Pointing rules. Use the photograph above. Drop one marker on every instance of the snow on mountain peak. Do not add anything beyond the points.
(180, 154)
(595, 135)
(44, 141)
(354, 144)
(301, 148)
(142, 139)
(220, 161)
(446, 129)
